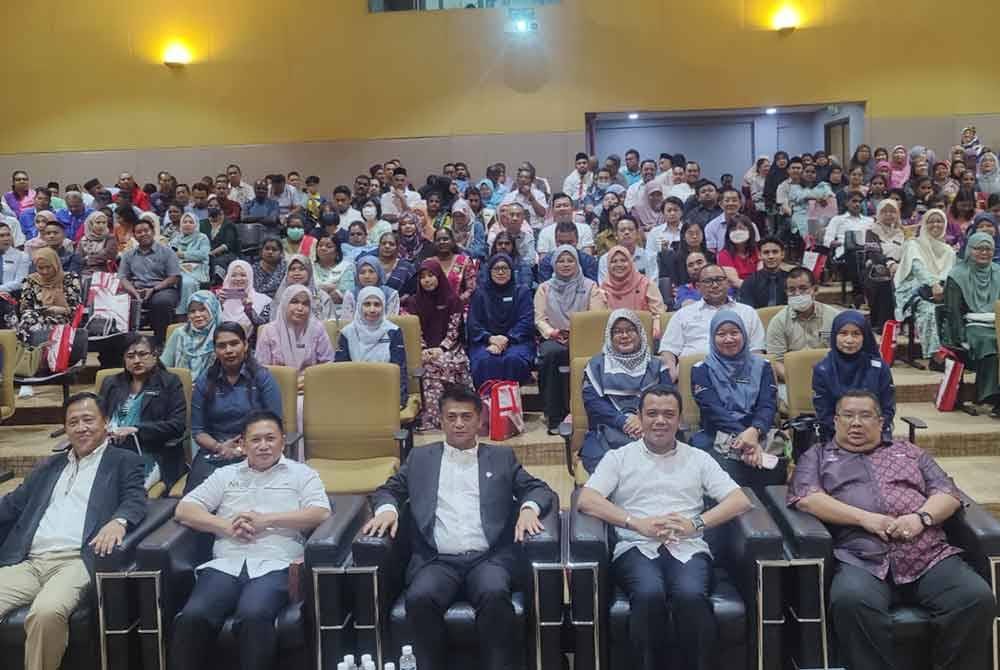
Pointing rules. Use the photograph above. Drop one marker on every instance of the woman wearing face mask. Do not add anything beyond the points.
(555, 301)
(883, 251)
(738, 398)
(972, 289)
(444, 359)
(458, 268)
(375, 226)
(371, 337)
(300, 271)
(369, 271)
(269, 270)
(296, 240)
(49, 297)
(223, 240)
(190, 346)
(853, 363)
(146, 411)
(334, 272)
(98, 248)
(192, 248)
(919, 281)
(397, 272)
(739, 258)
(240, 301)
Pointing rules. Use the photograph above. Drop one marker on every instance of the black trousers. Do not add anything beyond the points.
(162, 306)
(653, 587)
(959, 601)
(256, 603)
(881, 302)
(485, 582)
(553, 384)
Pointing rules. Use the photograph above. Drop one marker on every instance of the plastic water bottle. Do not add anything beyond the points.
(342, 666)
(367, 665)
(390, 666)
(407, 661)
(365, 660)
(349, 662)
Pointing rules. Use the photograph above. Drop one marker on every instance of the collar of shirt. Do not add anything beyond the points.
(799, 316)
(244, 465)
(663, 456)
(702, 304)
(89, 458)
(461, 455)
(244, 374)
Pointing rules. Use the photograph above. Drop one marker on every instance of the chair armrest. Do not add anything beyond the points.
(174, 550)
(566, 433)
(757, 536)
(6, 475)
(545, 546)
(588, 536)
(416, 371)
(330, 543)
(401, 435)
(158, 512)
(915, 424)
(805, 535)
(384, 552)
(976, 531)
(566, 430)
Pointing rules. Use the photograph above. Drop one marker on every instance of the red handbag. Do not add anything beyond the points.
(947, 395)
(61, 343)
(888, 347)
(503, 415)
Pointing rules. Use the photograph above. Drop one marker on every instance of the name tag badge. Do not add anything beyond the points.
(508, 298)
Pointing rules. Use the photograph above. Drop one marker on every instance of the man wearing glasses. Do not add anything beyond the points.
(687, 332)
(885, 503)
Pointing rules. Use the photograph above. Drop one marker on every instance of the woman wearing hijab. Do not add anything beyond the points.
(192, 248)
(368, 271)
(296, 338)
(736, 392)
(469, 232)
(649, 209)
(984, 222)
(300, 271)
(371, 337)
(49, 297)
(988, 174)
(555, 301)
(778, 174)
(411, 239)
(853, 363)
(444, 359)
(972, 146)
(883, 251)
(98, 248)
(899, 167)
(919, 280)
(191, 346)
(524, 273)
(240, 301)
(626, 288)
(501, 328)
(972, 289)
(612, 384)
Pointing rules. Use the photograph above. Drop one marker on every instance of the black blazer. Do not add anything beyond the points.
(504, 486)
(163, 418)
(754, 291)
(118, 493)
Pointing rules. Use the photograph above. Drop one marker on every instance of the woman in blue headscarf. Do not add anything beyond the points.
(853, 363)
(612, 384)
(190, 346)
(738, 398)
(501, 326)
(368, 271)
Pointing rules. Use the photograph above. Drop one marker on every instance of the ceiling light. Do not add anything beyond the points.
(633, 116)
(770, 110)
(176, 55)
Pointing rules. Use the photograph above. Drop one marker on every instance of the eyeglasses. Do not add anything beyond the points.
(711, 281)
(863, 417)
(502, 269)
(134, 355)
(618, 332)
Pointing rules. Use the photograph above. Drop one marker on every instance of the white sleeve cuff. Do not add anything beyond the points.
(533, 505)
(386, 508)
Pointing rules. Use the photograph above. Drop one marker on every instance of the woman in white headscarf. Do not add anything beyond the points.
(371, 337)
(240, 300)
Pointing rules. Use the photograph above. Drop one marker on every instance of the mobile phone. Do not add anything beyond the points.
(768, 461)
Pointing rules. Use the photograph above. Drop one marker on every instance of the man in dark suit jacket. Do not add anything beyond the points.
(766, 287)
(72, 507)
(462, 499)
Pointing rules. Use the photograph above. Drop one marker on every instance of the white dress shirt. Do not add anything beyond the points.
(389, 206)
(645, 262)
(350, 216)
(715, 233)
(637, 191)
(15, 268)
(287, 486)
(687, 332)
(530, 215)
(547, 237)
(662, 236)
(682, 190)
(242, 194)
(61, 527)
(647, 484)
(458, 521)
(842, 224)
(576, 186)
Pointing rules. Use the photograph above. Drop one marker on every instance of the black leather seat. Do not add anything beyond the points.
(391, 557)
(83, 650)
(736, 547)
(975, 530)
(175, 551)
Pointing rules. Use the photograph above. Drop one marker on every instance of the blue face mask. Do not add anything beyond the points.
(295, 234)
(213, 212)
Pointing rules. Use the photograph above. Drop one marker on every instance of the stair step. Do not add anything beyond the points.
(977, 476)
(950, 434)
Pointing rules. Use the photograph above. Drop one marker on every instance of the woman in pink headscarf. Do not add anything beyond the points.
(899, 172)
(240, 302)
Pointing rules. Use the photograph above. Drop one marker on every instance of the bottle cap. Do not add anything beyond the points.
(366, 658)
(407, 650)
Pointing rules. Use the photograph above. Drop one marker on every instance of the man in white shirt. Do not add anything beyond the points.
(398, 199)
(342, 205)
(460, 495)
(510, 217)
(15, 263)
(627, 235)
(260, 512)
(715, 231)
(685, 189)
(72, 507)
(531, 199)
(852, 221)
(239, 190)
(635, 192)
(290, 199)
(687, 332)
(653, 491)
(562, 212)
(577, 183)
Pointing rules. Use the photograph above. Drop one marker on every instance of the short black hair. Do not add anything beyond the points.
(260, 415)
(561, 196)
(312, 179)
(673, 200)
(567, 228)
(399, 170)
(771, 239)
(702, 183)
(861, 393)
(800, 271)
(667, 155)
(143, 222)
(632, 152)
(344, 190)
(662, 391)
(91, 183)
(580, 156)
(649, 161)
(82, 396)
(456, 393)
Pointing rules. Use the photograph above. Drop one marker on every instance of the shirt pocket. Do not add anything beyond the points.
(278, 497)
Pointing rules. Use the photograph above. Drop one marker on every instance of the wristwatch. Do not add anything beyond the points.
(925, 518)
(698, 523)
(123, 522)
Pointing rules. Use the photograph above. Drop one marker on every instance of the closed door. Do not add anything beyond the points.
(838, 136)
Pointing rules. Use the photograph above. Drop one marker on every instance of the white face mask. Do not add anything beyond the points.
(368, 213)
(800, 303)
(739, 236)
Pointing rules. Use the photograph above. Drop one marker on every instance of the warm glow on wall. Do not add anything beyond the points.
(176, 55)
(787, 18)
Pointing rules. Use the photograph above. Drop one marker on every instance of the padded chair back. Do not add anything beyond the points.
(351, 410)
(171, 328)
(288, 383)
(8, 399)
(767, 313)
(798, 378)
(996, 310)
(666, 286)
(690, 414)
(333, 332)
(578, 368)
(586, 331)
(410, 325)
(664, 320)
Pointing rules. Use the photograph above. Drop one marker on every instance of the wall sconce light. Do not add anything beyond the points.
(176, 55)
(786, 20)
